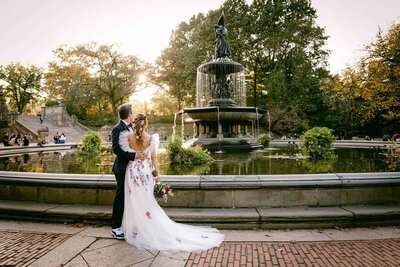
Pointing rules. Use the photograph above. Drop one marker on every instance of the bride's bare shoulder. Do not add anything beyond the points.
(146, 135)
(131, 136)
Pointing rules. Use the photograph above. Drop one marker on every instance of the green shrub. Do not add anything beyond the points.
(192, 155)
(52, 103)
(91, 142)
(317, 142)
(264, 139)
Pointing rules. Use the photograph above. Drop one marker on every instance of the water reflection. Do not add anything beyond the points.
(269, 161)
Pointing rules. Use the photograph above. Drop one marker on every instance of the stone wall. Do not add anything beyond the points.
(315, 190)
(58, 116)
(5, 119)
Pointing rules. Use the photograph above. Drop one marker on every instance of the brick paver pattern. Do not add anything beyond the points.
(385, 252)
(23, 248)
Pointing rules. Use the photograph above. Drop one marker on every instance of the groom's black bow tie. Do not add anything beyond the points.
(129, 126)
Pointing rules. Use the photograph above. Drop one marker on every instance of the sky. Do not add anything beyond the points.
(31, 29)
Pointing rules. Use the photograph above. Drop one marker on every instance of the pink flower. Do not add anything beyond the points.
(148, 214)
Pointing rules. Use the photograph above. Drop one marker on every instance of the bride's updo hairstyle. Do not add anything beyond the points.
(140, 123)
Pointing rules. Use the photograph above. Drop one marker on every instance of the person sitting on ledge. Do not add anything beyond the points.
(56, 138)
(15, 140)
(385, 137)
(40, 142)
(62, 139)
(6, 141)
(395, 137)
(25, 141)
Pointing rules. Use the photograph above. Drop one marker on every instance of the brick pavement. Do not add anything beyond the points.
(384, 252)
(22, 248)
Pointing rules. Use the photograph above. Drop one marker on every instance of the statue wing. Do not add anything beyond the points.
(221, 20)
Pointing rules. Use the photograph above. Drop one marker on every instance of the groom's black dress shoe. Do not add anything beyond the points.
(117, 236)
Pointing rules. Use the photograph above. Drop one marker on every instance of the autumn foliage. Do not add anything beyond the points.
(369, 94)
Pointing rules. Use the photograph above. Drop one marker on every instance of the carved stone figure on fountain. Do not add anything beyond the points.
(221, 45)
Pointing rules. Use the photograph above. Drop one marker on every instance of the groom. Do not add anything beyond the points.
(119, 167)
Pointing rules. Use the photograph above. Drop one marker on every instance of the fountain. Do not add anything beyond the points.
(221, 118)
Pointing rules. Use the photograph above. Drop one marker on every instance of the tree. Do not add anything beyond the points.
(67, 79)
(287, 60)
(23, 83)
(367, 95)
(381, 72)
(99, 73)
(342, 95)
(115, 76)
(178, 63)
(163, 104)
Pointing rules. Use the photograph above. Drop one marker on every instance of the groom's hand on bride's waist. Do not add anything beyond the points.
(140, 156)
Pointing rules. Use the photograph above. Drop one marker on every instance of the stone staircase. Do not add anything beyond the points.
(73, 134)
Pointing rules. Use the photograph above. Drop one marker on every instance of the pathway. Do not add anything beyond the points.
(42, 244)
(384, 252)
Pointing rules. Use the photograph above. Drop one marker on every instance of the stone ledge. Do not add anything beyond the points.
(218, 182)
(372, 178)
(229, 181)
(243, 218)
(305, 217)
(391, 211)
(338, 143)
(300, 180)
(213, 215)
(304, 214)
(51, 179)
(25, 207)
(16, 150)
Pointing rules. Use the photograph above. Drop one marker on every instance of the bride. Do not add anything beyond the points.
(145, 223)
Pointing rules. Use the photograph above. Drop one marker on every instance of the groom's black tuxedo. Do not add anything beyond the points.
(119, 169)
(123, 158)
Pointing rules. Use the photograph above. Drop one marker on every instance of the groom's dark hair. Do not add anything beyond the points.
(124, 111)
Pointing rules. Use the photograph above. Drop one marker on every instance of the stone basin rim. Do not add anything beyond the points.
(213, 182)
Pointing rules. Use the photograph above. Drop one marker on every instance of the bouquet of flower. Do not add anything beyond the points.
(162, 190)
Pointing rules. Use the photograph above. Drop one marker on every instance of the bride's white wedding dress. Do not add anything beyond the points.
(145, 223)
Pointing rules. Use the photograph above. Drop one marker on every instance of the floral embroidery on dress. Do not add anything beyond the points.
(148, 214)
(177, 239)
(139, 174)
(130, 171)
(134, 232)
(204, 236)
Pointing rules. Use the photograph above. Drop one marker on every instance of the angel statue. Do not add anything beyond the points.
(221, 45)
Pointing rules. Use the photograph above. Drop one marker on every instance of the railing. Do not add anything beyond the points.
(82, 127)
(21, 128)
